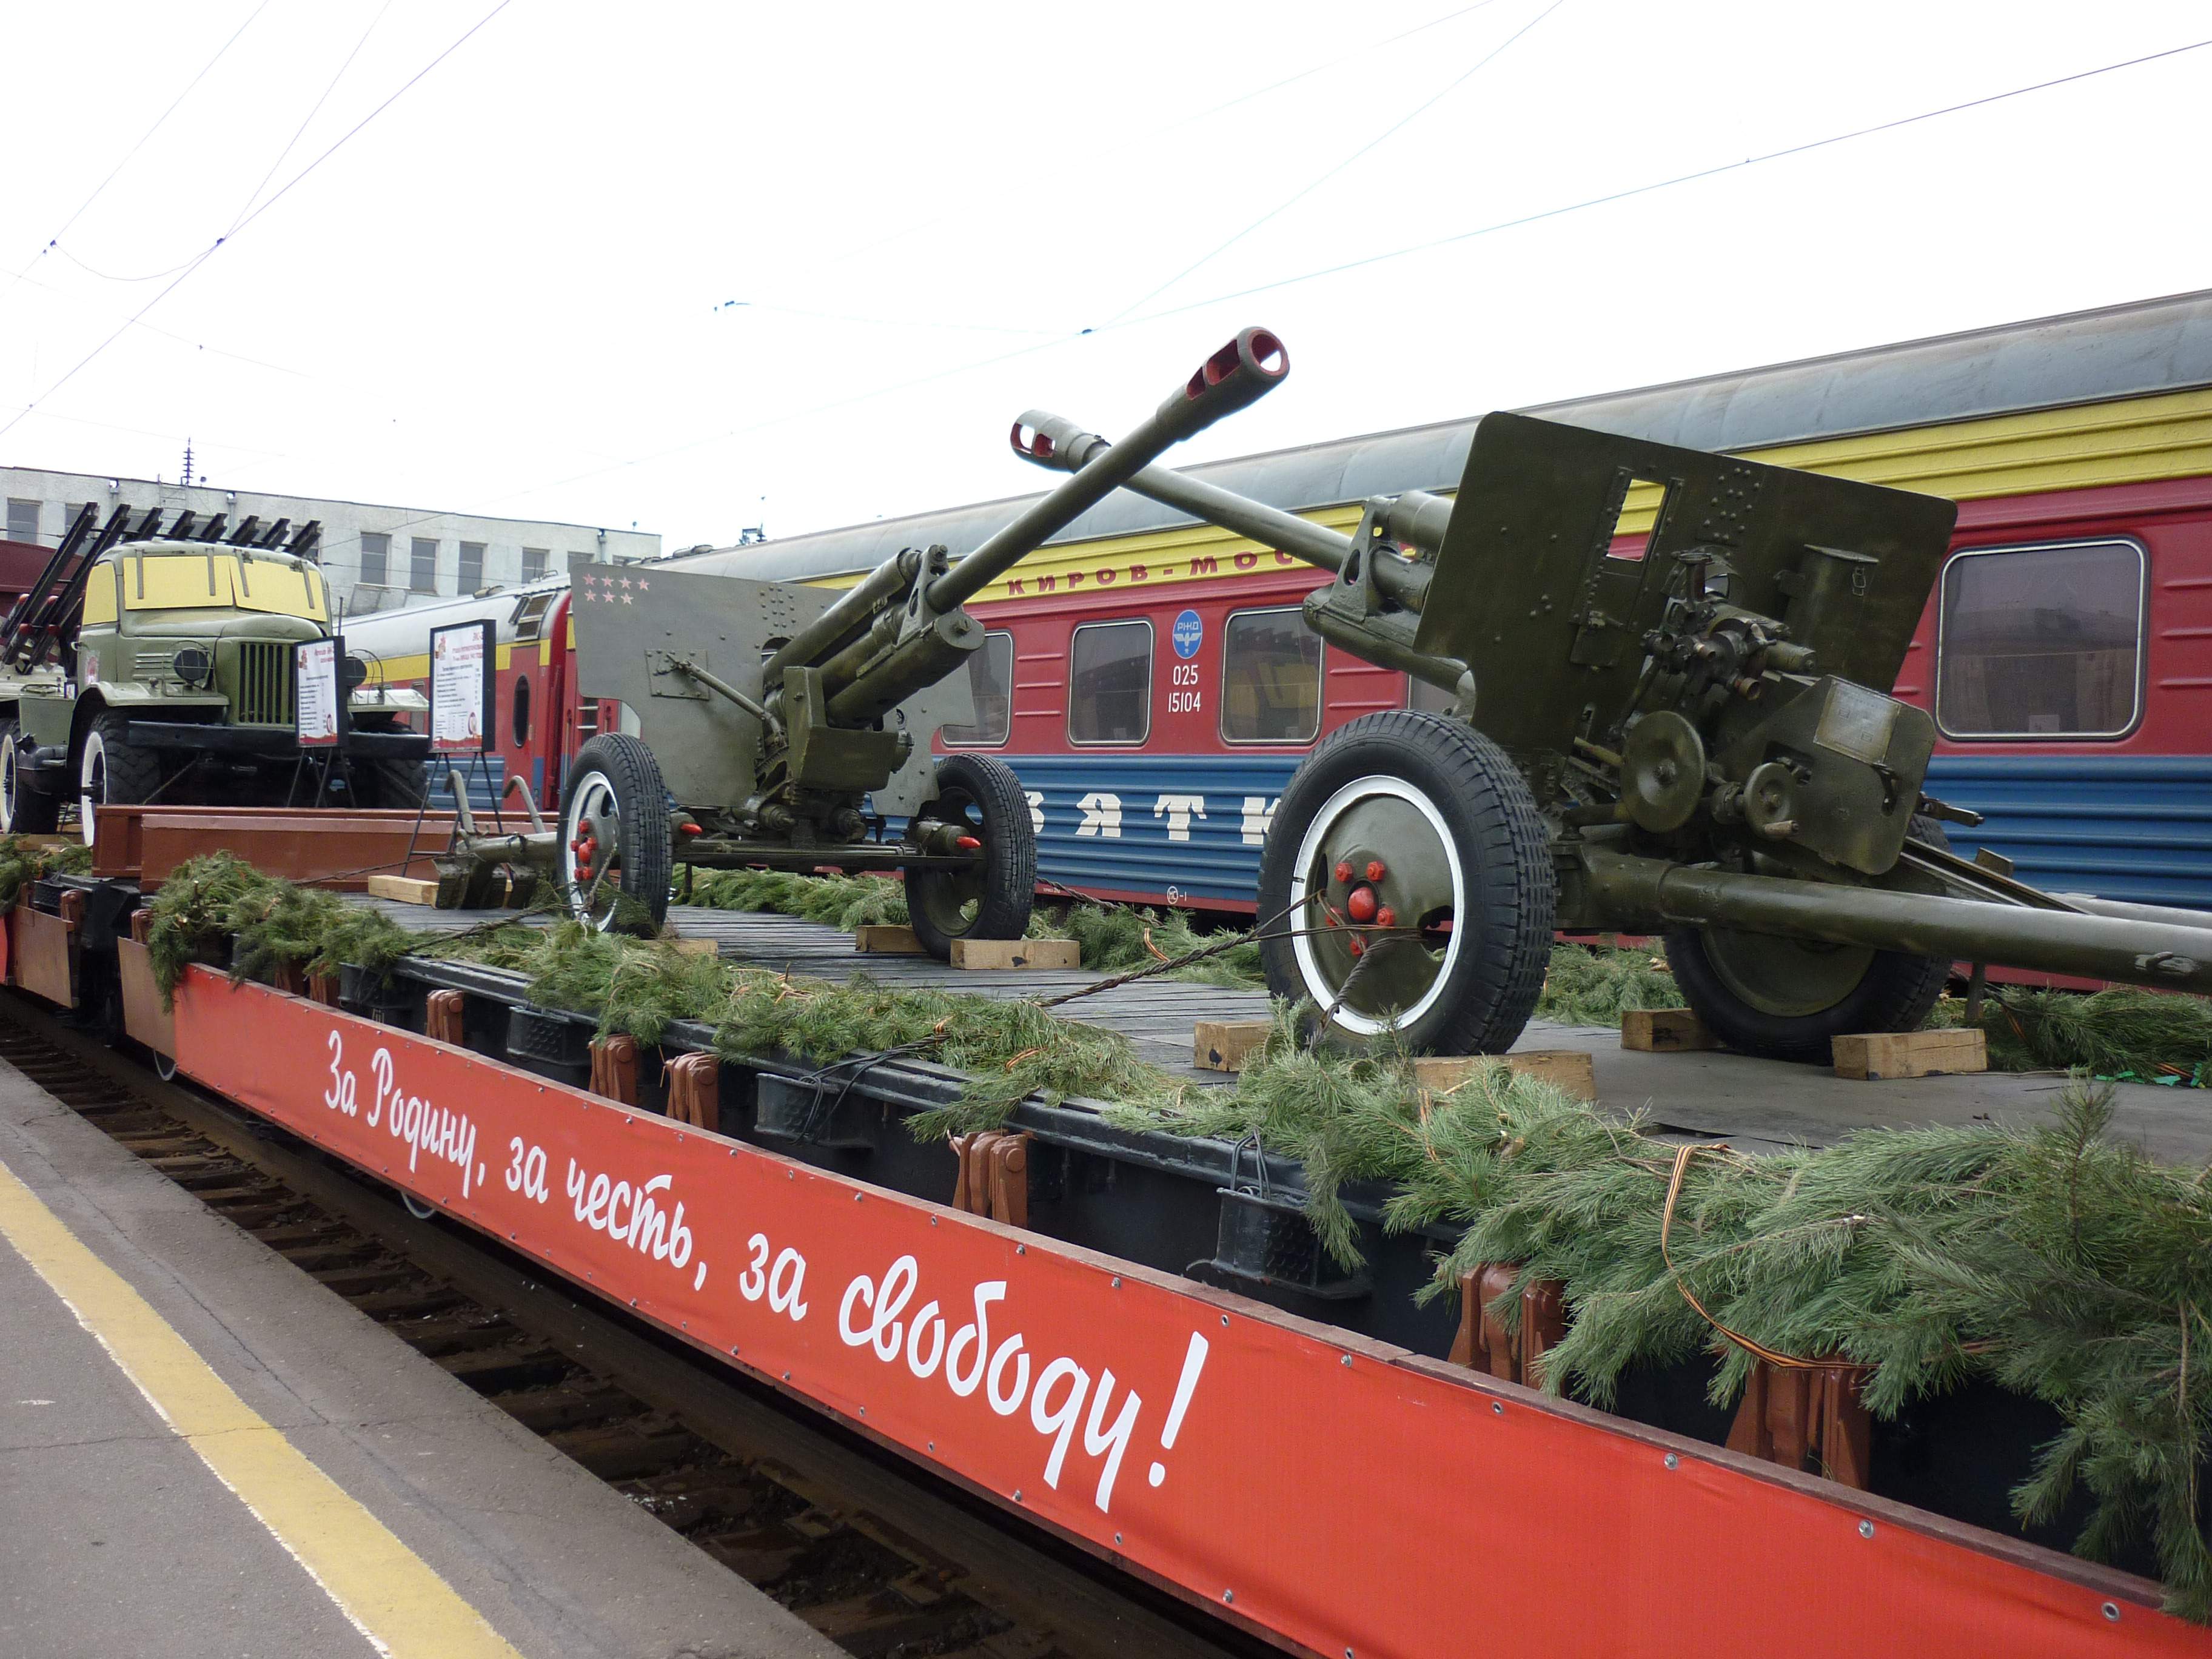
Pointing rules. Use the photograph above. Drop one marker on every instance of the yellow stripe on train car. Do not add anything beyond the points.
(2081, 446)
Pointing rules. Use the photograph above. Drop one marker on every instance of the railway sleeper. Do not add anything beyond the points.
(620, 1451)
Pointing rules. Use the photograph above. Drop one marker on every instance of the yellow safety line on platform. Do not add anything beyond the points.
(384, 1589)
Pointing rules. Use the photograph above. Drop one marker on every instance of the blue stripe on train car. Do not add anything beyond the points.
(2123, 826)
(2134, 827)
(1139, 823)
(485, 777)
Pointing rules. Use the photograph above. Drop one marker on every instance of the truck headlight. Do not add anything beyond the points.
(192, 665)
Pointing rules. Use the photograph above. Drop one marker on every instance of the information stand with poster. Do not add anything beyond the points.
(461, 664)
(319, 704)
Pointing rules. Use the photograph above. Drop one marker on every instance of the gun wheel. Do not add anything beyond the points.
(979, 800)
(1406, 883)
(614, 853)
(1788, 999)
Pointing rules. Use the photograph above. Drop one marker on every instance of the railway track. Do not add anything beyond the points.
(881, 1558)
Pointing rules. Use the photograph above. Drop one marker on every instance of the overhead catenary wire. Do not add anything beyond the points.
(1335, 63)
(97, 188)
(1715, 171)
(1138, 320)
(1372, 144)
(242, 222)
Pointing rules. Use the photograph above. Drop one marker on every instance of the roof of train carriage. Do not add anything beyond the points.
(2081, 357)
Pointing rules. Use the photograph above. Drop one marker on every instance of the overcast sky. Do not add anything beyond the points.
(702, 267)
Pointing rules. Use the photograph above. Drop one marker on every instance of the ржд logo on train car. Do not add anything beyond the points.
(1187, 632)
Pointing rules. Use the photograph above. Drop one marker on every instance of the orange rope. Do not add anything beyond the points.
(1682, 1156)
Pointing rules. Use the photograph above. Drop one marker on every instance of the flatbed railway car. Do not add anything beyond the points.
(1152, 683)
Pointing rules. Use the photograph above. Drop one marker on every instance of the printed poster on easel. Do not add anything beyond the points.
(461, 661)
(317, 706)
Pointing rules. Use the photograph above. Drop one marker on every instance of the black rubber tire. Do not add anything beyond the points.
(1896, 993)
(389, 785)
(1505, 853)
(129, 775)
(23, 810)
(984, 792)
(629, 771)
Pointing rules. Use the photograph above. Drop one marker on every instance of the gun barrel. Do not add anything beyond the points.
(1652, 893)
(853, 611)
(1053, 440)
(1245, 370)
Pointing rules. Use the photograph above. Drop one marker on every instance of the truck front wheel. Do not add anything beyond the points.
(112, 771)
(23, 810)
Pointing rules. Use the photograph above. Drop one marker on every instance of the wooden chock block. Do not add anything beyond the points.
(1224, 1045)
(1568, 1069)
(985, 955)
(405, 890)
(1665, 1031)
(692, 947)
(1872, 1056)
(887, 939)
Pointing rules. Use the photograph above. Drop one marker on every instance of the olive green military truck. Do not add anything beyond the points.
(145, 666)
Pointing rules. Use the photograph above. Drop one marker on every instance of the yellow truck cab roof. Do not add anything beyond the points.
(186, 575)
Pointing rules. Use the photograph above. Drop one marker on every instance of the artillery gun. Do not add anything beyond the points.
(777, 725)
(1667, 672)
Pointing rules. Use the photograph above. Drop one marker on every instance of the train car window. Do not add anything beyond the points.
(530, 615)
(1109, 683)
(991, 681)
(521, 709)
(2041, 641)
(1270, 678)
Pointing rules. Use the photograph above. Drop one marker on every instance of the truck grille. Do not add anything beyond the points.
(263, 696)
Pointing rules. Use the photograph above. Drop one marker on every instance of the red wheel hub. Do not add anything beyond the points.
(1361, 905)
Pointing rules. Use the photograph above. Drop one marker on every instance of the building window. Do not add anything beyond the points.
(533, 564)
(471, 566)
(423, 567)
(375, 559)
(991, 681)
(23, 521)
(1110, 686)
(2041, 641)
(69, 514)
(1270, 678)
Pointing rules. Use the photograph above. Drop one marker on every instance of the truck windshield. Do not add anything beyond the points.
(200, 581)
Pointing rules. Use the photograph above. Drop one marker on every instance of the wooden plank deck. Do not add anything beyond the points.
(1756, 1105)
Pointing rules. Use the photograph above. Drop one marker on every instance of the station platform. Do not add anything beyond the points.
(205, 1453)
(1757, 1105)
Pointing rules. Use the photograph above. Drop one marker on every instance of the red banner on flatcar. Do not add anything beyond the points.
(1336, 1494)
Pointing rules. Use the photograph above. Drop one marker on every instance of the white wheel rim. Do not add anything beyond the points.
(593, 802)
(1309, 973)
(92, 766)
(8, 784)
